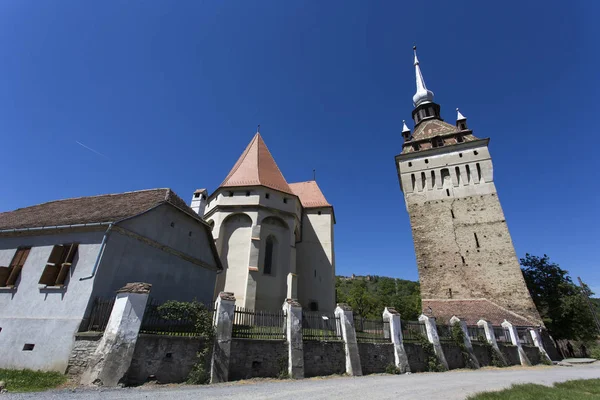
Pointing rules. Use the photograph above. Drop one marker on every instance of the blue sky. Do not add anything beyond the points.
(170, 94)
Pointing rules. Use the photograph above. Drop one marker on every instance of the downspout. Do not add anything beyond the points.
(100, 253)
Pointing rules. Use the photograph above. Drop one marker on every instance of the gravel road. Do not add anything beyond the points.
(451, 385)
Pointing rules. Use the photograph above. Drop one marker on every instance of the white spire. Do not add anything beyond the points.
(404, 127)
(459, 116)
(422, 95)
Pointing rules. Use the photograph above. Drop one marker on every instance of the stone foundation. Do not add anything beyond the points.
(257, 358)
(416, 357)
(453, 355)
(324, 358)
(84, 347)
(375, 357)
(510, 353)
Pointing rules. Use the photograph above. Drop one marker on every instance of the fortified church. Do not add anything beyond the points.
(275, 238)
(466, 259)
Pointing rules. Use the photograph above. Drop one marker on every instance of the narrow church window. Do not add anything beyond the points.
(426, 161)
(285, 200)
(468, 174)
(432, 179)
(269, 255)
(427, 114)
(410, 164)
(412, 178)
(203, 197)
(196, 195)
(315, 273)
(267, 195)
(445, 174)
(450, 293)
(447, 192)
(437, 142)
(476, 240)
(478, 172)
(475, 152)
(452, 212)
(247, 194)
(463, 259)
(230, 194)
(457, 175)
(313, 306)
(459, 139)
(423, 180)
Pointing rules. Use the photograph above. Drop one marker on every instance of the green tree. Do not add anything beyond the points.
(558, 300)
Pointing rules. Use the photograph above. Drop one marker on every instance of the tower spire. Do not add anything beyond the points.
(423, 95)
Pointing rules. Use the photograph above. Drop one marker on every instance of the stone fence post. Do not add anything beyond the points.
(434, 338)
(467, 340)
(514, 338)
(344, 313)
(112, 358)
(293, 334)
(537, 342)
(491, 337)
(392, 317)
(223, 322)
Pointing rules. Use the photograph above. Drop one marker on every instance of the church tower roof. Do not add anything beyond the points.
(423, 95)
(256, 167)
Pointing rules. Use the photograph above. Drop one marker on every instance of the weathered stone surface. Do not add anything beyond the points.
(84, 347)
(392, 317)
(453, 355)
(510, 353)
(136, 287)
(482, 355)
(375, 357)
(533, 354)
(224, 314)
(293, 334)
(169, 359)
(257, 358)
(324, 358)
(344, 313)
(434, 339)
(416, 357)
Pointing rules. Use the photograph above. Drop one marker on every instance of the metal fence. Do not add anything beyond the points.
(476, 333)
(250, 324)
(413, 331)
(502, 335)
(320, 327)
(444, 332)
(524, 335)
(372, 330)
(156, 323)
(99, 315)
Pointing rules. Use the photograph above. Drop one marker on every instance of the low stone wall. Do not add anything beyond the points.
(252, 358)
(482, 355)
(168, 359)
(416, 357)
(533, 353)
(83, 349)
(323, 358)
(453, 355)
(375, 357)
(510, 353)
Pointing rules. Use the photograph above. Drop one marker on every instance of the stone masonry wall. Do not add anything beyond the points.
(510, 353)
(375, 357)
(453, 355)
(449, 256)
(324, 358)
(416, 357)
(533, 353)
(168, 359)
(257, 358)
(83, 349)
(481, 353)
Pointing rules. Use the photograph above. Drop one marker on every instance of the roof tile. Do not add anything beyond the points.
(310, 194)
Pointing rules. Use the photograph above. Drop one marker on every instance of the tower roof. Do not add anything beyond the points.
(310, 194)
(423, 95)
(256, 166)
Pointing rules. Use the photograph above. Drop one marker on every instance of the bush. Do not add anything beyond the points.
(432, 364)
(392, 369)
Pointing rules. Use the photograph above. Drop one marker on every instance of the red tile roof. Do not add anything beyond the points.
(91, 209)
(310, 194)
(471, 311)
(256, 166)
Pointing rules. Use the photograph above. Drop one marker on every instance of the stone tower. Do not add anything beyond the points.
(465, 256)
(275, 238)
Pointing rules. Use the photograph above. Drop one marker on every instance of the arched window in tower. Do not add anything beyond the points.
(269, 255)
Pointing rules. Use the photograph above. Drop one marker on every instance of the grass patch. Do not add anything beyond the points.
(26, 380)
(581, 389)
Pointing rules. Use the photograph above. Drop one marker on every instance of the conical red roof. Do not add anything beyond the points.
(256, 166)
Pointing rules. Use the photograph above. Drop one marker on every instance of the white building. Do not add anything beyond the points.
(275, 239)
(56, 258)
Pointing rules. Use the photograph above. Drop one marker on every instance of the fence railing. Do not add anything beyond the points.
(250, 324)
(372, 331)
(320, 327)
(524, 335)
(444, 332)
(99, 315)
(476, 333)
(413, 331)
(502, 335)
(156, 323)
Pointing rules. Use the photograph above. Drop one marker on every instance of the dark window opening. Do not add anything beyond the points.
(476, 240)
(319, 212)
(414, 181)
(172, 224)
(432, 179)
(410, 164)
(230, 194)
(447, 192)
(459, 139)
(28, 347)
(415, 146)
(169, 355)
(475, 152)
(426, 161)
(452, 212)
(269, 248)
(449, 293)
(10, 274)
(203, 197)
(463, 126)
(190, 234)
(423, 180)
(315, 273)
(437, 142)
(460, 155)
(58, 265)
(463, 259)
(196, 195)
(285, 200)
(247, 194)
(478, 172)
(313, 306)
(427, 112)
(267, 195)
(457, 169)
(468, 174)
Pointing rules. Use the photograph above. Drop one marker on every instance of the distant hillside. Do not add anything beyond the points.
(368, 295)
